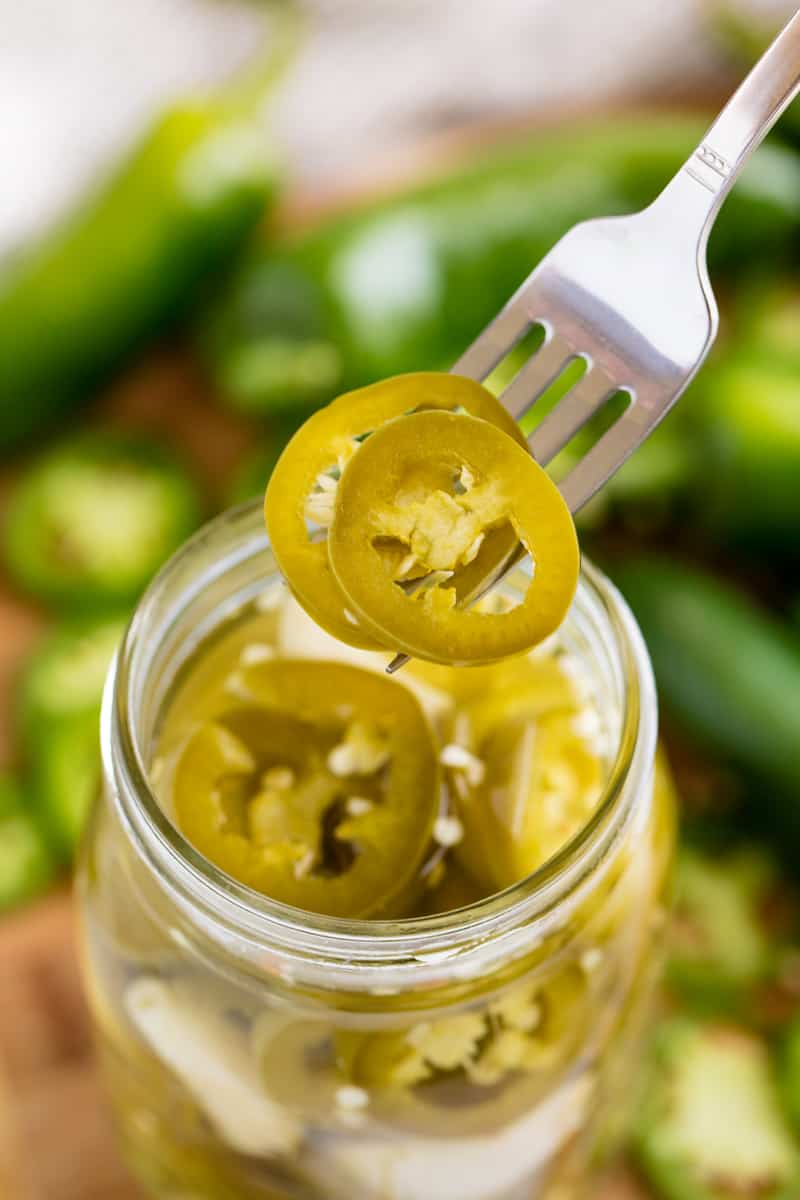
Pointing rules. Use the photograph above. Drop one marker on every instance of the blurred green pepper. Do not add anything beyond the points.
(722, 945)
(789, 1072)
(406, 284)
(135, 255)
(64, 676)
(766, 320)
(93, 518)
(26, 867)
(58, 713)
(710, 1125)
(65, 781)
(729, 454)
(727, 672)
(748, 486)
(252, 474)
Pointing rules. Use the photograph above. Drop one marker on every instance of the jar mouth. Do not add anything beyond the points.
(224, 545)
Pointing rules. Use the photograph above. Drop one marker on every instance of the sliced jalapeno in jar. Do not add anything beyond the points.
(302, 492)
(320, 790)
(417, 502)
(537, 785)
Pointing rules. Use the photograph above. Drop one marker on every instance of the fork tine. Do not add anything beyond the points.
(606, 455)
(570, 414)
(492, 345)
(536, 375)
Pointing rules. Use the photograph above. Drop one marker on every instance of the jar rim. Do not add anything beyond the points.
(269, 924)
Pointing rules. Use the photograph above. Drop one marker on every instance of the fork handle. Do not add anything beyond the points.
(741, 126)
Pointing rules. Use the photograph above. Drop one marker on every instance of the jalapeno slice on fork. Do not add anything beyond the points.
(416, 504)
(302, 492)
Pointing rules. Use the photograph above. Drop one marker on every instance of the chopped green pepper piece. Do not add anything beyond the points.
(92, 520)
(719, 945)
(711, 1126)
(65, 675)
(417, 501)
(66, 779)
(58, 714)
(26, 866)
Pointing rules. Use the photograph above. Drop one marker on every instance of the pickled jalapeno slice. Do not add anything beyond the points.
(538, 785)
(320, 791)
(526, 1028)
(301, 496)
(413, 508)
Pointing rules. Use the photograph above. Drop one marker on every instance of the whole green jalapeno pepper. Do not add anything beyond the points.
(405, 284)
(748, 417)
(134, 256)
(728, 673)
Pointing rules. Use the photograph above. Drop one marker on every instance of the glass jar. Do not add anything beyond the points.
(255, 1051)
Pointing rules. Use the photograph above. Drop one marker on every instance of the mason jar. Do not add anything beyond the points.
(258, 1052)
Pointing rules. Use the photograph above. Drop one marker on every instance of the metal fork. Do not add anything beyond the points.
(631, 295)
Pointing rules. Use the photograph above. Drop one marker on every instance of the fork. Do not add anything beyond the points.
(631, 297)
